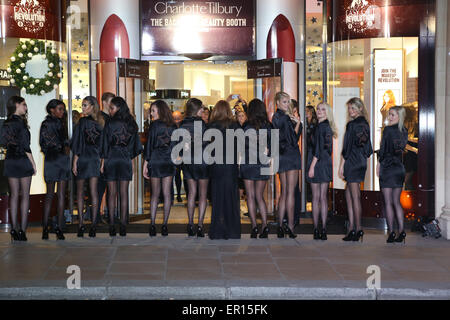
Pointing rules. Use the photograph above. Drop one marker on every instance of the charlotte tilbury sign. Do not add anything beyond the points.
(36, 19)
(358, 19)
(223, 28)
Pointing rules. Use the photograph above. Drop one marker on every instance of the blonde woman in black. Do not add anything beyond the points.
(19, 163)
(86, 148)
(54, 144)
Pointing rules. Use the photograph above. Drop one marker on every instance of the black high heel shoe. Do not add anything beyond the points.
(289, 232)
(265, 233)
(22, 236)
(112, 231)
(254, 233)
(200, 232)
(359, 235)
(123, 230)
(351, 235)
(316, 234)
(14, 235)
(93, 232)
(59, 234)
(401, 237)
(164, 230)
(391, 237)
(152, 231)
(190, 230)
(323, 235)
(280, 232)
(45, 233)
(81, 231)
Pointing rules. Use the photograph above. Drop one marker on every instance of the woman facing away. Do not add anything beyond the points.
(320, 172)
(54, 142)
(158, 165)
(196, 172)
(225, 214)
(391, 171)
(121, 144)
(86, 147)
(311, 124)
(356, 150)
(289, 161)
(19, 164)
(254, 180)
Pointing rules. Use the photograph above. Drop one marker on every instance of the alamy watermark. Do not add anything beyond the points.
(374, 281)
(208, 147)
(74, 280)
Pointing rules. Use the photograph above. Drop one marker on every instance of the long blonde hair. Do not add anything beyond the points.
(357, 104)
(401, 115)
(330, 118)
(280, 95)
(96, 113)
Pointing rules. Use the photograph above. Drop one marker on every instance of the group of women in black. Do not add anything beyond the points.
(108, 144)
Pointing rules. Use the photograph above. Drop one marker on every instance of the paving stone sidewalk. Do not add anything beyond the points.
(178, 267)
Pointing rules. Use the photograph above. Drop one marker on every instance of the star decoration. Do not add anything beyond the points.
(314, 20)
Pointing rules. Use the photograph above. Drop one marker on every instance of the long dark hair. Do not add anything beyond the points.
(222, 114)
(193, 105)
(11, 108)
(165, 115)
(124, 114)
(314, 119)
(257, 114)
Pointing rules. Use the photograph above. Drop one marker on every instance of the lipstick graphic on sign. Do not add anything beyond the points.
(281, 40)
(114, 41)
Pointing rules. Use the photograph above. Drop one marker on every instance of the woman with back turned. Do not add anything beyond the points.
(391, 171)
(54, 143)
(356, 150)
(19, 163)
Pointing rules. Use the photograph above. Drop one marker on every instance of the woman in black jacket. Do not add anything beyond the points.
(54, 144)
(86, 147)
(289, 161)
(19, 163)
(356, 150)
(391, 171)
(121, 144)
(196, 171)
(158, 164)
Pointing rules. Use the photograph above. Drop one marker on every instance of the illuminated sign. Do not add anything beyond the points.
(29, 15)
(361, 16)
(4, 75)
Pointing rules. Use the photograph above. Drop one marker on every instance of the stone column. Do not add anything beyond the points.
(444, 218)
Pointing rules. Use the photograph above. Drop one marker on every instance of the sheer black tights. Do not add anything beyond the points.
(202, 199)
(393, 207)
(255, 196)
(61, 188)
(287, 197)
(112, 200)
(22, 186)
(155, 191)
(94, 198)
(353, 198)
(320, 203)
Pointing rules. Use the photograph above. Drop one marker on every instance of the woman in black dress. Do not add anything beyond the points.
(320, 172)
(86, 148)
(356, 150)
(121, 144)
(19, 164)
(54, 143)
(391, 171)
(158, 164)
(225, 214)
(254, 179)
(195, 170)
(311, 124)
(289, 161)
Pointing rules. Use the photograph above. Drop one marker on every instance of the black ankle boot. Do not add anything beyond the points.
(391, 237)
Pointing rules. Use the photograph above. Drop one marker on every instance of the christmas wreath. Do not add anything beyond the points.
(24, 53)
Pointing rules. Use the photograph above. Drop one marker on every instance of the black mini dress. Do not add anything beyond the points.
(86, 144)
(54, 142)
(248, 171)
(290, 157)
(322, 150)
(15, 137)
(158, 150)
(393, 143)
(357, 148)
(197, 168)
(120, 146)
